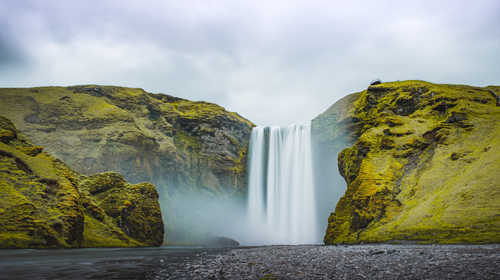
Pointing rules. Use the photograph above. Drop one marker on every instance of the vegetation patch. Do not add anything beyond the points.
(45, 204)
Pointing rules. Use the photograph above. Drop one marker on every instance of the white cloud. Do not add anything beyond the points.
(274, 62)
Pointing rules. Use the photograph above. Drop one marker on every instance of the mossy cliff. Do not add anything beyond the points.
(180, 146)
(45, 204)
(424, 166)
(146, 137)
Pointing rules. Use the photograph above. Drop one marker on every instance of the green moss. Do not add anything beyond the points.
(423, 168)
(187, 142)
(132, 210)
(44, 204)
(169, 141)
(102, 234)
(35, 206)
(15, 240)
(240, 162)
(203, 110)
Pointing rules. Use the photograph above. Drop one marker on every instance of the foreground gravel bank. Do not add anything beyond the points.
(346, 262)
(271, 262)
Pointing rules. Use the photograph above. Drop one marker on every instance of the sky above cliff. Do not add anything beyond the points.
(274, 62)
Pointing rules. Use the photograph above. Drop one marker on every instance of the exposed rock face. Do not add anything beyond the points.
(424, 167)
(331, 132)
(44, 204)
(146, 137)
(178, 145)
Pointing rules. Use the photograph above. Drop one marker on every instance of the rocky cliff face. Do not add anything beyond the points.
(144, 136)
(45, 204)
(424, 166)
(179, 145)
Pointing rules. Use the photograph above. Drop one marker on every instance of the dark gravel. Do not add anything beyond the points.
(271, 262)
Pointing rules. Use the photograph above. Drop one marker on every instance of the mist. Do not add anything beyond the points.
(330, 185)
(276, 208)
(197, 218)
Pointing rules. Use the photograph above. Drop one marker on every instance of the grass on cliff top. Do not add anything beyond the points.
(67, 103)
(202, 110)
(103, 107)
(386, 97)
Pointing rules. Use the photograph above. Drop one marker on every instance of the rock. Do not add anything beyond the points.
(423, 167)
(39, 205)
(406, 106)
(134, 209)
(45, 204)
(177, 144)
(377, 252)
(221, 241)
(496, 96)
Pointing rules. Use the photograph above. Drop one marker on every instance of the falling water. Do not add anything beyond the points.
(281, 188)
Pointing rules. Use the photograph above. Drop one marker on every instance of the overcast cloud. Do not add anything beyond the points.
(274, 62)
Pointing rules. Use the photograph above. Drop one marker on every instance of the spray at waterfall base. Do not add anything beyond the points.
(284, 203)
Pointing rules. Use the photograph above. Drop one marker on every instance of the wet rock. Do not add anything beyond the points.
(221, 241)
(406, 106)
(376, 252)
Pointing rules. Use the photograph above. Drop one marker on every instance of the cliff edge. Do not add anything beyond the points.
(424, 168)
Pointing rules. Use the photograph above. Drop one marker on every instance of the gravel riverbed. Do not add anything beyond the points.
(379, 261)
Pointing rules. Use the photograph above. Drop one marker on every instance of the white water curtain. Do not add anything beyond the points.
(281, 204)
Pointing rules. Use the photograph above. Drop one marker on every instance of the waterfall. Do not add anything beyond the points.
(281, 198)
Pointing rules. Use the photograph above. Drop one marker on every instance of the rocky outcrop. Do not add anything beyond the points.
(109, 201)
(178, 145)
(45, 204)
(424, 167)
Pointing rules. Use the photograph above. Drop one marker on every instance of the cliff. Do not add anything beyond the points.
(180, 146)
(45, 204)
(144, 136)
(423, 167)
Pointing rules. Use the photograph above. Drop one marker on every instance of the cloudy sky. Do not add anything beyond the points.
(274, 62)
